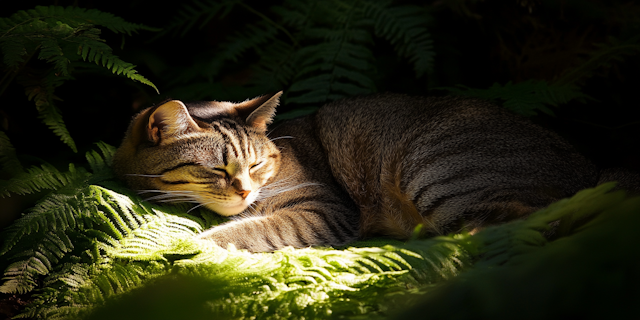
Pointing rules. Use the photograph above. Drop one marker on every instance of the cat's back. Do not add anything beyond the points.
(439, 159)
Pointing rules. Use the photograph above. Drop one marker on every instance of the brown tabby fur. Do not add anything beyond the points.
(377, 165)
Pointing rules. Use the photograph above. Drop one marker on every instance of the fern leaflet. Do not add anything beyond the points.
(320, 50)
(404, 27)
(8, 160)
(59, 36)
(525, 98)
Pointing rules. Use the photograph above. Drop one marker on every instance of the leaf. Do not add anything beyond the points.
(60, 36)
(525, 98)
(405, 27)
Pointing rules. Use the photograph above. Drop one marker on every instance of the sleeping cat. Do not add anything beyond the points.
(366, 166)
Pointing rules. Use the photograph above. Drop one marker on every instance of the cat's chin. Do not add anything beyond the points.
(231, 209)
(227, 211)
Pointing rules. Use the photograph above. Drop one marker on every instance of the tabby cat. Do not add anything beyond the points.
(366, 166)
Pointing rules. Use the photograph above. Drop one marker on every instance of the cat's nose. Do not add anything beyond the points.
(243, 193)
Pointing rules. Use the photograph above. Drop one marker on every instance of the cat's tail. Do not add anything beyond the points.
(627, 179)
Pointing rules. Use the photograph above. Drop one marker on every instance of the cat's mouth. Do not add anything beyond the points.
(232, 208)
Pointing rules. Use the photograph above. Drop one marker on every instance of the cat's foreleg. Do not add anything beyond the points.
(301, 225)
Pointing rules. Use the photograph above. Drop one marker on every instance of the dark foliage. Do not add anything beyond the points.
(569, 65)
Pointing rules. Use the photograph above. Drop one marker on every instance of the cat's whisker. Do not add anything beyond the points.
(144, 175)
(165, 191)
(283, 137)
(174, 196)
(272, 130)
(270, 192)
(177, 201)
(200, 205)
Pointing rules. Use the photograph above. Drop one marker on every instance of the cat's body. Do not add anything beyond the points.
(377, 165)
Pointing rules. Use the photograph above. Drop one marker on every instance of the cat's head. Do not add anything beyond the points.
(216, 153)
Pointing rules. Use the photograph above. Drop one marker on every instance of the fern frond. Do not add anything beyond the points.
(41, 239)
(574, 263)
(8, 160)
(525, 98)
(50, 116)
(197, 10)
(320, 50)
(39, 88)
(251, 37)
(52, 29)
(91, 245)
(60, 36)
(604, 56)
(297, 14)
(94, 17)
(81, 222)
(276, 68)
(92, 50)
(51, 52)
(405, 28)
(502, 244)
(13, 52)
(35, 179)
(100, 162)
(338, 65)
(142, 248)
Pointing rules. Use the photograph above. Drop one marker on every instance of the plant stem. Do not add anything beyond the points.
(10, 75)
(281, 28)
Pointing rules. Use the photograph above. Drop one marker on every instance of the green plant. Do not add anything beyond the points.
(587, 271)
(318, 51)
(532, 96)
(92, 249)
(97, 252)
(67, 39)
(525, 98)
(86, 244)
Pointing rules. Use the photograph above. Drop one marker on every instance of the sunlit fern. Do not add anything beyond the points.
(587, 270)
(91, 249)
(64, 38)
(85, 243)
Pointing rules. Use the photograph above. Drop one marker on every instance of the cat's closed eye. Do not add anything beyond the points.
(256, 166)
(221, 172)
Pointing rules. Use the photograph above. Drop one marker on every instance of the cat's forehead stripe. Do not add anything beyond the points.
(241, 135)
(227, 138)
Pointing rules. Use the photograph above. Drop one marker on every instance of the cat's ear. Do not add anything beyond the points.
(169, 120)
(259, 112)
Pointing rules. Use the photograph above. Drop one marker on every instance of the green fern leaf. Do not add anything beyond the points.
(332, 60)
(405, 28)
(60, 36)
(567, 262)
(99, 18)
(254, 36)
(605, 55)
(276, 68)
(190, 14)
(525, 98)
(40, 89)
(45, 177)
(100, 163)
(13, 52)
(50, 116)
(93, 51)
(296, 14)
(8, 160)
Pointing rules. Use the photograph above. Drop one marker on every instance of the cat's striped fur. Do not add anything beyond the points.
(377, 165)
